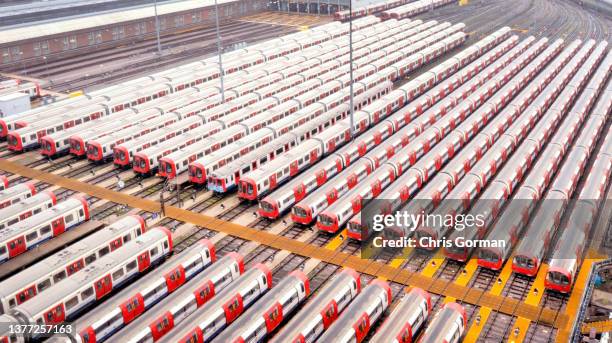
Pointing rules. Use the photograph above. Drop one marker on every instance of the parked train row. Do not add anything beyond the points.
(516, 216)
(413, 8)
(346, 163)
(65, 114)
(258, 183)
(398, 180)
(378, 56)
(372, 9)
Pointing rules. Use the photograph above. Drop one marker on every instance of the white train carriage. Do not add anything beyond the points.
(147, 161)
(101, 149)
(4, 182)
(129, 304)
(224, 308)
(26, 208)
(26, 234)
(407, 319)
(319, 313)
(15, 194)
(178, 162)
(361, 315)
(59, 143)
(257, 182)
(28, 137)
(290, 164)
(448, 325)
(304, 126)
(124, 153)
(153, 324)
(508, 228)
(270, 311)
(337, 214)
(305, 211)
(41, 276)
(67, 300)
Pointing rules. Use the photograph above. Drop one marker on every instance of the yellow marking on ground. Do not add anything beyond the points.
(600, 327)
(463, 2)
(337, 241)
(469, 270)
(397, 262)
(533, 298)
(484, 312)
(433, 265)
(573, 303)
(474, 332)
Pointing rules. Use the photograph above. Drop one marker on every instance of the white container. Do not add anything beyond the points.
(13, 103)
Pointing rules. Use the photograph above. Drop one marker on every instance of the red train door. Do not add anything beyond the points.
(272, 181)
(144, 261)
(16, 247)
(25, 215)
(175, 278)
(58, 226)
(26, 294)
(233, 308)
(294, 168)
(132, 308)
(55, 315)
(116, 244)
(329, 313)
(103, 286)
(273, 317)
(362, 327)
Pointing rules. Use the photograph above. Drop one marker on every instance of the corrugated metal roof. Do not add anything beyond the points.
(105, 19)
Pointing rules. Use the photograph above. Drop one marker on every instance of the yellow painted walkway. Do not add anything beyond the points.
(533, 298)
(484, 312)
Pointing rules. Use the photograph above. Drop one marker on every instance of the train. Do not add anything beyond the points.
(448, 325)
(29, 233)
(4, 182)
(434, 147)
(319, 313)
(355, 323)
(407, 319)
(161, 319)
(27, 208)
(16, 193)
(35, 279)
(138, 298)
(510, 175)
(350, 169)
(511, 224)
(265, 316)
(222, 310)
(65, 301)
(412, 9)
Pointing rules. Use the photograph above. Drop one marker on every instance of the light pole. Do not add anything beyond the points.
(219, 52)
(157, 29)
(351, 68)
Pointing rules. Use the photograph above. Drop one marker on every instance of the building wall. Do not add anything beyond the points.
(71, 43)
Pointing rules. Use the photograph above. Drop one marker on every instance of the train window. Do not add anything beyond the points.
(59, 276)
(37, 210)
(12, 221)
(44, 285)
(130, 266)
(45, 230)
(118, 274)
(263, 279)
(12, 303)
(31, 236)
(154, 251)
(69, 218)
(89, 259)
(87, 293)
(165, 244)
(71, 303)
(2, 250)
(138, 232)
(104, 251)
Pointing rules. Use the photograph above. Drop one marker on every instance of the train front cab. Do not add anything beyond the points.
(558, 279)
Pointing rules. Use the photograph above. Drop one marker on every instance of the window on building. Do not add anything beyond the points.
(118, 33)
(69, 42)
(179, 21)
(140, 28)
